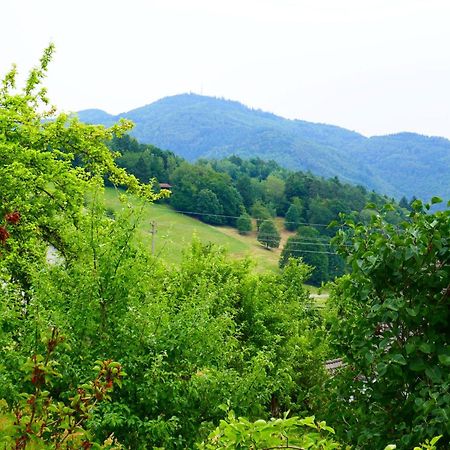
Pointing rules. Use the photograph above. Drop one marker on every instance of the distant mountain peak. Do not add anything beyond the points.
(199, 126)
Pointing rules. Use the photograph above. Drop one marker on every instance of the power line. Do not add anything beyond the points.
(274, 238)
(318, 240)
(299, 244)
(312, 251)
(193, 213)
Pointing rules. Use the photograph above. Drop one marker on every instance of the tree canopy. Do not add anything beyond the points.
(268, 234)
(48, 162)
(391, 325)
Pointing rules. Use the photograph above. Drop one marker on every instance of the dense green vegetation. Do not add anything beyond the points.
(209, 354)
(391, 321)
(219, 192)
(194, 126)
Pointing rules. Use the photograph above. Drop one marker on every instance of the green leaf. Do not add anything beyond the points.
(434, 374)
(399, 359)
(425, 347)
(410, 347)
(412, 311)
(444, 359)
(435, 200)
(417, 365)
(410, 252)
(435, 439)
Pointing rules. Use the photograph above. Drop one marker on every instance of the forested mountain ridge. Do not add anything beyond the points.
(195, 126)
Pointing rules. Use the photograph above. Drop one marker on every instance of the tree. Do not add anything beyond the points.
(294, 215)
(310, 246)
(274, 193)
(209, 207)
(320, 215)
(296, 186)
(391, 326)
(245, 188)
(260, 213)
(403, 203)
(188, 180)
(268, 234)
(244, 224)
(229, 197)
(293, 432)
(141, 170)
(48, 163)
(52, 169)
(190, 338)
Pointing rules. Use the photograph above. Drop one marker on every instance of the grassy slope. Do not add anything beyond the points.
(175, 232)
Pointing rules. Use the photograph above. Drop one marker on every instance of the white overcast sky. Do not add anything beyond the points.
(374, 66)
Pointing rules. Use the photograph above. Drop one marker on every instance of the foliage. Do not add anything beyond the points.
(210, 332)
(287, 432)
(260, 213)
(294, 215)
(201, 190)
(51, 167)
(191, 338)
(311, 247)
(37, 420)
(47, 162)
(218, 191)
(274, 193)
(268, 234)
(206, 193)
(210, 207)
(293, 432)
(145, 161)
(391, 325)
(244, 224)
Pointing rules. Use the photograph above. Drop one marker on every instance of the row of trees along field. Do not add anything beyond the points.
(234, 191)
(106, 347)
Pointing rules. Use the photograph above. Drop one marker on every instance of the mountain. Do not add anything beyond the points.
(196, 126)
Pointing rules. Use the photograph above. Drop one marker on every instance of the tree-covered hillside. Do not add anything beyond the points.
(231, 190)
(195, 126)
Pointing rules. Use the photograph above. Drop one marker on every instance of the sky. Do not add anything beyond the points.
(373, 66)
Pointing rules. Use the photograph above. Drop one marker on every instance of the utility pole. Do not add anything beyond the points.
(153, 233)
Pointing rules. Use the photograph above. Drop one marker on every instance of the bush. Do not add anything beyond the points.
(391, 325)
(244, 224)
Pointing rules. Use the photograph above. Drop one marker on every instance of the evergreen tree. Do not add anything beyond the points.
(268, 234)
(244, 224)
(141, 170)
(293, 215)
(404, 203)
(260, 213)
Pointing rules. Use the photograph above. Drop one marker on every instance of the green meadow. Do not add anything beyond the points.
(176, 231)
